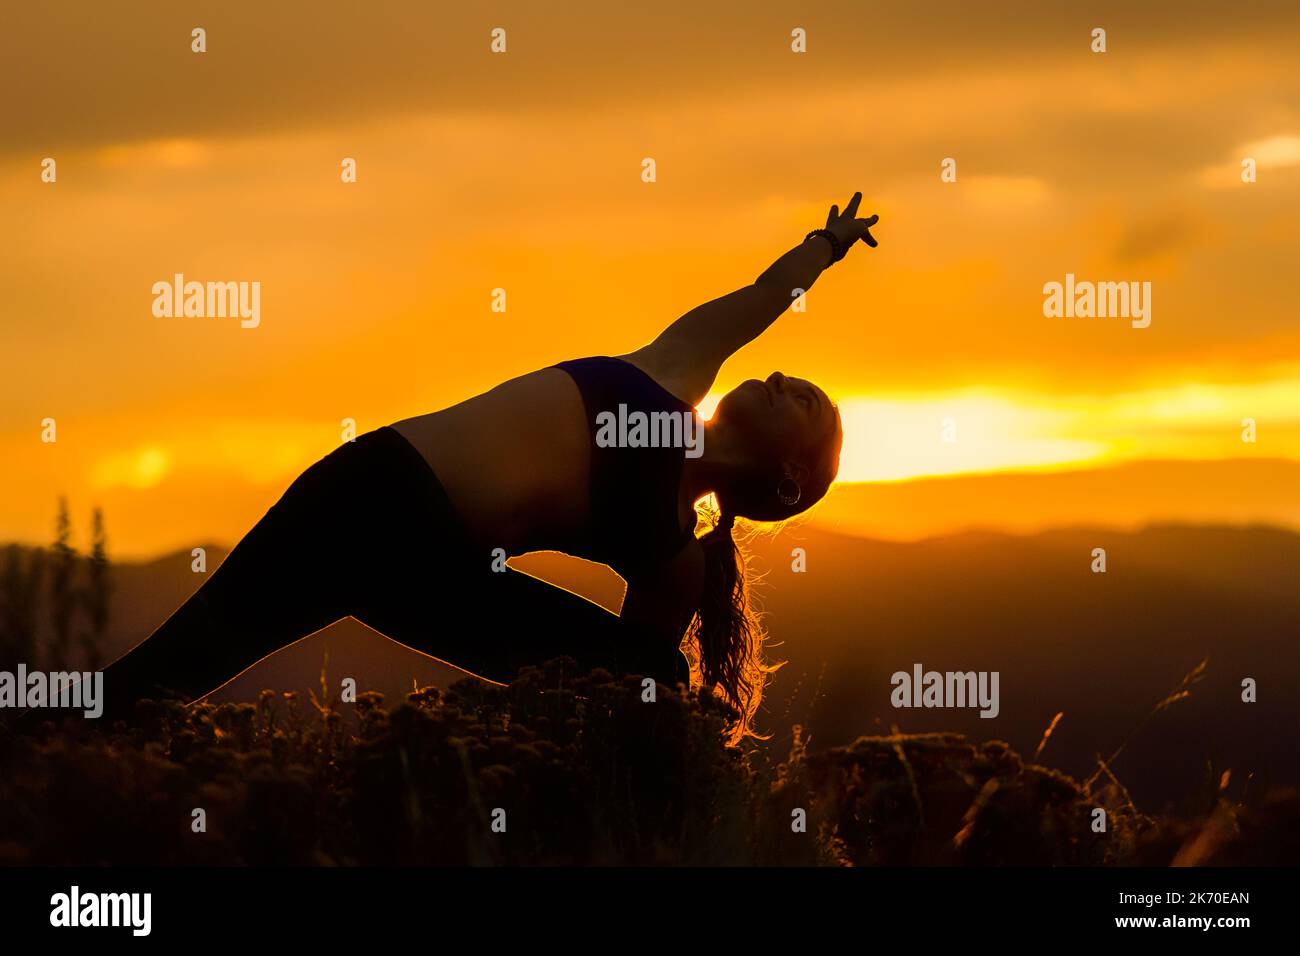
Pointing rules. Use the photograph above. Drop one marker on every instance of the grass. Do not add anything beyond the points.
(579, 770)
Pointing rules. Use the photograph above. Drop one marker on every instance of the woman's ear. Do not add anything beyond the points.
(796, 472)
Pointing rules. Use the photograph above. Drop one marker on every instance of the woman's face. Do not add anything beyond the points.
(781, 418)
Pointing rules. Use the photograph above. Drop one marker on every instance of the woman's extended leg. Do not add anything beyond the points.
(284, 580)
(494, 623)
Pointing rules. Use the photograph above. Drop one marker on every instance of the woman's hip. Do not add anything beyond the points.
(365, 513)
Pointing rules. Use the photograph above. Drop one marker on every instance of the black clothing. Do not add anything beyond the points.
(634, 508)
(369, 532)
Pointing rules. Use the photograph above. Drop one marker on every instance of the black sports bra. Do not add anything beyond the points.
(634, 504)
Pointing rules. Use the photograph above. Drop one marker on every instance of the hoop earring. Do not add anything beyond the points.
(786, 496)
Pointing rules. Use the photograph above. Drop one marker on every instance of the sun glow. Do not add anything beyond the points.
(899, 437)
(140, 468)
(896, 440)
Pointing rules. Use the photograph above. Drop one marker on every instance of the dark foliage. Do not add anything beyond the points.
(586, 772)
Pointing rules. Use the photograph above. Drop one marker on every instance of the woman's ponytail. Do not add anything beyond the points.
(726, 632)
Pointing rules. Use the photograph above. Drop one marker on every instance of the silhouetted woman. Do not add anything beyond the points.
(400, 528)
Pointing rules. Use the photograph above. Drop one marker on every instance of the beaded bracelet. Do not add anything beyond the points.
(837, 248)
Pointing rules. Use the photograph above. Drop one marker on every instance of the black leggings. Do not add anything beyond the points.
(369, 532)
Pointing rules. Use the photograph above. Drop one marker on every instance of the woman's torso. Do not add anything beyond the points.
(516, 461)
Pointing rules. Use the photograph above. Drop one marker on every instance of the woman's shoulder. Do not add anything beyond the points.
(670, 372)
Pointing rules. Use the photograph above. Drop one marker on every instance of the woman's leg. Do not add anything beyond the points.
(494, 623)
(287, 578)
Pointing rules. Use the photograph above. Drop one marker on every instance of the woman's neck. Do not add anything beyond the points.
(714, 471)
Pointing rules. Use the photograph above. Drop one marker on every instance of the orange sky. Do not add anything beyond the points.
(522, 171)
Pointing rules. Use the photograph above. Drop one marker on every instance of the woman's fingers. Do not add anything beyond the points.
(851, 213)
(866, 225)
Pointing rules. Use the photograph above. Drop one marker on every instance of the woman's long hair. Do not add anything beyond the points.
(725, 640)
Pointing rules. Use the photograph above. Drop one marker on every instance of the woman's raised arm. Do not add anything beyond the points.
(687, 355)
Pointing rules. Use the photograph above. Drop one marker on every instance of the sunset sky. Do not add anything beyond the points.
(522, 171)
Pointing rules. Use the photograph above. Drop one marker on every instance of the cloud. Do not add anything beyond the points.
(1159, 234)
(156, 154)
(139, 468)
(1006, 192)
(1276, 152)
(87, 74)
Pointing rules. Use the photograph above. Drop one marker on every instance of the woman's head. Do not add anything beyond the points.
(782, 441)
(777, 444)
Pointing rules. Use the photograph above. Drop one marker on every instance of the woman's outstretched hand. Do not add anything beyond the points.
(692, 349)
(848, 228)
